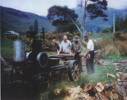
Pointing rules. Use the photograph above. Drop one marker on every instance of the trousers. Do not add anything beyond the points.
(90, 63)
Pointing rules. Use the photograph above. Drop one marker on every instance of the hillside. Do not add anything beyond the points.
(97, 25)
(20, 21)
(12, 19)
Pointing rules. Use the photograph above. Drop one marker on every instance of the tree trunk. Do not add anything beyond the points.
(84, 19)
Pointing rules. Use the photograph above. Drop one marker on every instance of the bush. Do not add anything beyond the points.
(109, 47)
(122, 47)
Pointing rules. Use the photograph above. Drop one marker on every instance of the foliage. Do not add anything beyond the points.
(36, 26)
(33, 29)
(97, 9)
(116, 58)
(121, 24)
(112, 44)
(61, 15)
(67, 28)
(102, 71)
(92, 9)
(107, 30)
(7, 48)
(62, 18)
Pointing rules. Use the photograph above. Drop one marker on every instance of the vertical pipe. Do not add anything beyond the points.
(19, 50)
(114, 22)
(43, 34)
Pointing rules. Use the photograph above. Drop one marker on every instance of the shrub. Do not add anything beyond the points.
(110, 47)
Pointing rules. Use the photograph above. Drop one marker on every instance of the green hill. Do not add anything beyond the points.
(20, 21)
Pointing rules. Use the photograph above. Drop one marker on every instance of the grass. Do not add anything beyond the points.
(7, 48)
(115, 58)
(101, 71)
(100, 75)
(107, 36)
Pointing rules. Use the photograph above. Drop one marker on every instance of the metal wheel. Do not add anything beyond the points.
(42, 58)
(74, 71)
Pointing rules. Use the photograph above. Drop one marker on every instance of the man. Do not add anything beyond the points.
(76, 48)
(65, 46)
(89, 55)
(56, 45)
(76, 45)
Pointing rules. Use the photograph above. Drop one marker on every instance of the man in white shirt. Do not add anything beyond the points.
(65, 46)
(89, 55)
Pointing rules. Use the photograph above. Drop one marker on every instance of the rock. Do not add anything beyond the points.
(99, 87)
(90, 89)
(57, 92)
(121, 90)
(117, 69)
(114, 96)
(100, 91)
(108, 87)
(122, 76)
(68, 98)
(121, 66)
(101, 96)
(125, 98)
(75, 91)
(111, 75)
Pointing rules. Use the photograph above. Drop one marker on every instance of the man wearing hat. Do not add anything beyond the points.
(76, 48)
(89, 55)
(76, 45)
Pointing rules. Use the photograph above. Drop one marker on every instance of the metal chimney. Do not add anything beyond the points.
(18, 46)
(19, 50)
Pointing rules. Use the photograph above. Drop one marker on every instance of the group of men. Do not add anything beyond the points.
(68, 47)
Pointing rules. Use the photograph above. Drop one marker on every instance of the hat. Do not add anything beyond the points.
(76, 38)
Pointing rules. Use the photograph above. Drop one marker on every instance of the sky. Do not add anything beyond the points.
(41, 7)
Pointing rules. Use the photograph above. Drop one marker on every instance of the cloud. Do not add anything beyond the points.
(41, 6)
(37, 6)
(117, 4)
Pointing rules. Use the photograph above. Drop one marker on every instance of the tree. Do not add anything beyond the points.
(93, 9)
(121, 24)
(43, 34)
(63, 18)
(36, 26)
(33, 29)
(107, 30)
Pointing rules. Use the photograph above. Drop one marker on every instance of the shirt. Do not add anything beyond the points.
(90, 45)
(76, 47)
(65, 46)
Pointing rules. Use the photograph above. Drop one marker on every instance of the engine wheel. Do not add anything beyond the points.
(42, 58)
(74, 71)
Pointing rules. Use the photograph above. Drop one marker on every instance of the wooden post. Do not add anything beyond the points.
(114, 22)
